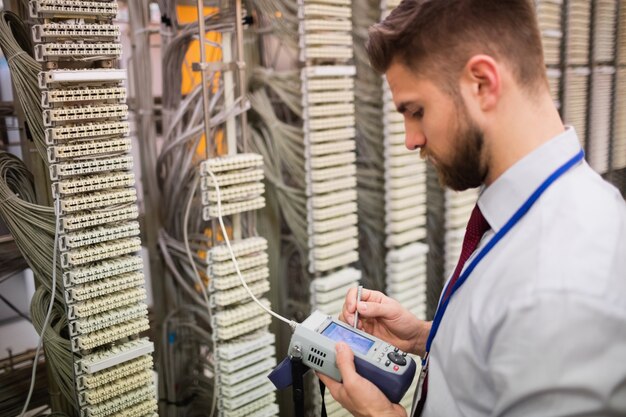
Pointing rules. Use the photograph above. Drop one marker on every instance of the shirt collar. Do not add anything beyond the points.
(501, 199)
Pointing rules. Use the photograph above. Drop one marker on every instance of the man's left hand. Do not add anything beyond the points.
(356, 394)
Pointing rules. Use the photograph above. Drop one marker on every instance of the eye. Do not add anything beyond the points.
(419, 114)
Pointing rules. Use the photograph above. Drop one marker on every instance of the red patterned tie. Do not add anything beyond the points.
(476, 228)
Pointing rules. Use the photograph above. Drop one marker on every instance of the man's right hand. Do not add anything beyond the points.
(386, 319)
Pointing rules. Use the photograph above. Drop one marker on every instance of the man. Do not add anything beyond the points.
(537, 327)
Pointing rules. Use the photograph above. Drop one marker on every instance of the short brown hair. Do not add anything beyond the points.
(438, 37)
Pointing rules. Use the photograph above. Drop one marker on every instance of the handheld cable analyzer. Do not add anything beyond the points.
(388, 368)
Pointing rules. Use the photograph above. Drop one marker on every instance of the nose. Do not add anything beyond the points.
(414, 138)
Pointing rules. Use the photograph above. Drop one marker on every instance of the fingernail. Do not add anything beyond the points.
(340, 347)
(362, 306)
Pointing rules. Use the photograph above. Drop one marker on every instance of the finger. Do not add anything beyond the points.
(335, 388)
(349, 307)
(377, 310)
(371, 296)
(345, 363)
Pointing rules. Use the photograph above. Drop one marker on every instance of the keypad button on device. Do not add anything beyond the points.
(396, 358)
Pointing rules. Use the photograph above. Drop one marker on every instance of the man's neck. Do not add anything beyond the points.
(522, 127)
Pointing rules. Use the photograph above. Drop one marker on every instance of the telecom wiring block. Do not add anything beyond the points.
(91, 169)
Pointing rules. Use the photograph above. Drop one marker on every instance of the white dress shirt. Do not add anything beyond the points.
(539, 327)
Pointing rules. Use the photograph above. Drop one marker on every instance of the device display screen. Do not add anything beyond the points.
(339, 333)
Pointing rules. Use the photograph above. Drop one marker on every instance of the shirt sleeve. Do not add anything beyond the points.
(559, 355)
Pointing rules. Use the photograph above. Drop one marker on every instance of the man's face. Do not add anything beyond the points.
(440, 127)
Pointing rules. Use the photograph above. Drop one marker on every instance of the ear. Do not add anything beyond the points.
(481, 81)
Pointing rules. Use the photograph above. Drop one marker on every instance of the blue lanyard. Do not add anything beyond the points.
(441, 309)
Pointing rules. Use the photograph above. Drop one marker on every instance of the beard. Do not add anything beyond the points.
(466, 169)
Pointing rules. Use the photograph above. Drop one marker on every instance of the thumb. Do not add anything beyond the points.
(345, 361)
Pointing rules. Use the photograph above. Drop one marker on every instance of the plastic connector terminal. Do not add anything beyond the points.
(231, 163)
(237, 295)
(91, 31)
(327, 11)
(110, 334)
(73, 8)
(228, 209)
(234, 350)
(93, 183)
(263, 366)
(238, 192)
(240, 248)
(333, 160)
(70, 95)
(76, 51)
(264, 406)
(91, 149)
(323, 239)
(253, 323)
(107, 319)
(86, 131)
(116, 388)
(335, 249)
(114, 356)
(54, 78)
(105, 303)
(80, 113)
(103, 287)
(248, 358)
(246, 262)
(233, 178)
(102, 270)
(334, 211)
(73, 258)
(98, 379)
(327, 200)
(68, 169)
(234, 403)
(334, 263)
(244, 312)
(98, 235)
(335, 280)
(227, 282)
(125, 402)
(335, 223)
(73, 222)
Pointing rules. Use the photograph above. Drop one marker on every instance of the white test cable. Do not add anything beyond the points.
(49, 313)
(291, 323)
